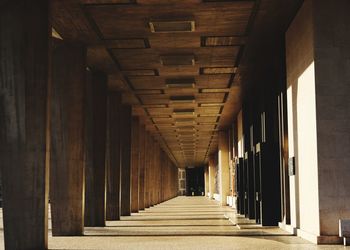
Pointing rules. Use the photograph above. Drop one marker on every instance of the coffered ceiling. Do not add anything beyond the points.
(174, 60)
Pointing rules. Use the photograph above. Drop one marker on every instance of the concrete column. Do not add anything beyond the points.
(152, 173)
(113, 156)
(317, 47)
(206, 180)
(163, 177)
(147, 171)
(24, 74)
(164, 169)
(332, 71)
(212, 171)
(67, 148)
(175, 180)
(95, 136)
(224, 170)
(125, 159)
(157, 173)
(135, 163)
(142, 168)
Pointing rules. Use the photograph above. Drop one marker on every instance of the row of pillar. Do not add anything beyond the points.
(157, 178)
(66, 138)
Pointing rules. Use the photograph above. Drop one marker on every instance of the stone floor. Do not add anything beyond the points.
(183, 223)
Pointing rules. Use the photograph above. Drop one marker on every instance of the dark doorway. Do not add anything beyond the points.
(195, 181)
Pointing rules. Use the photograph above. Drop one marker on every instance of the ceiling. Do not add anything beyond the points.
(175, 61)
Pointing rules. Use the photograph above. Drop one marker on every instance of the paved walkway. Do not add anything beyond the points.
(195, 216)
(183, 223)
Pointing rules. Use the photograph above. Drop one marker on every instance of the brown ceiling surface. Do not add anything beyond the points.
(179, 79)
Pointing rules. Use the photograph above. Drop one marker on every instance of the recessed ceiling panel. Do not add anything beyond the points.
(225, 90)
(218, 70)
(182, 99)
(175, 40)
(163, 121)
(211, 104)
(158, 111)
(208, 110)
(180, 112)
(214, 41)
(171, 26)
(177, 60)
(127, 21)
(213, 81)
(206, 119)
(175, 71)
(154, 99)
(180, 82)
(182, 91)
(210, 98)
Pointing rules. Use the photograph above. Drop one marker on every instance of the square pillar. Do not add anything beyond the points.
(95, 154)
(224, 170)
(24, 140)
(318, 86)
(125, 147)
(135, 163)
(113, 156)
(157, 173)
(147, 170)
(212, 173)
(67, 140)
(206, 180)
(142, 168)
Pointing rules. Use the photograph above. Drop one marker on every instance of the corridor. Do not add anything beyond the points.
(182, 223)
(174, 124)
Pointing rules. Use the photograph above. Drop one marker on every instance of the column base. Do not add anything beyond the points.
(231, 201)
(216, 197)
(320, 240)
(288, 228)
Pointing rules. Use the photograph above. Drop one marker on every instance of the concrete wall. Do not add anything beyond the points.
(318, 76)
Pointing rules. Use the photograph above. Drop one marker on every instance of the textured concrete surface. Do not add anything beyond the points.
(183, 223)
(317, 57)
(332, 67)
